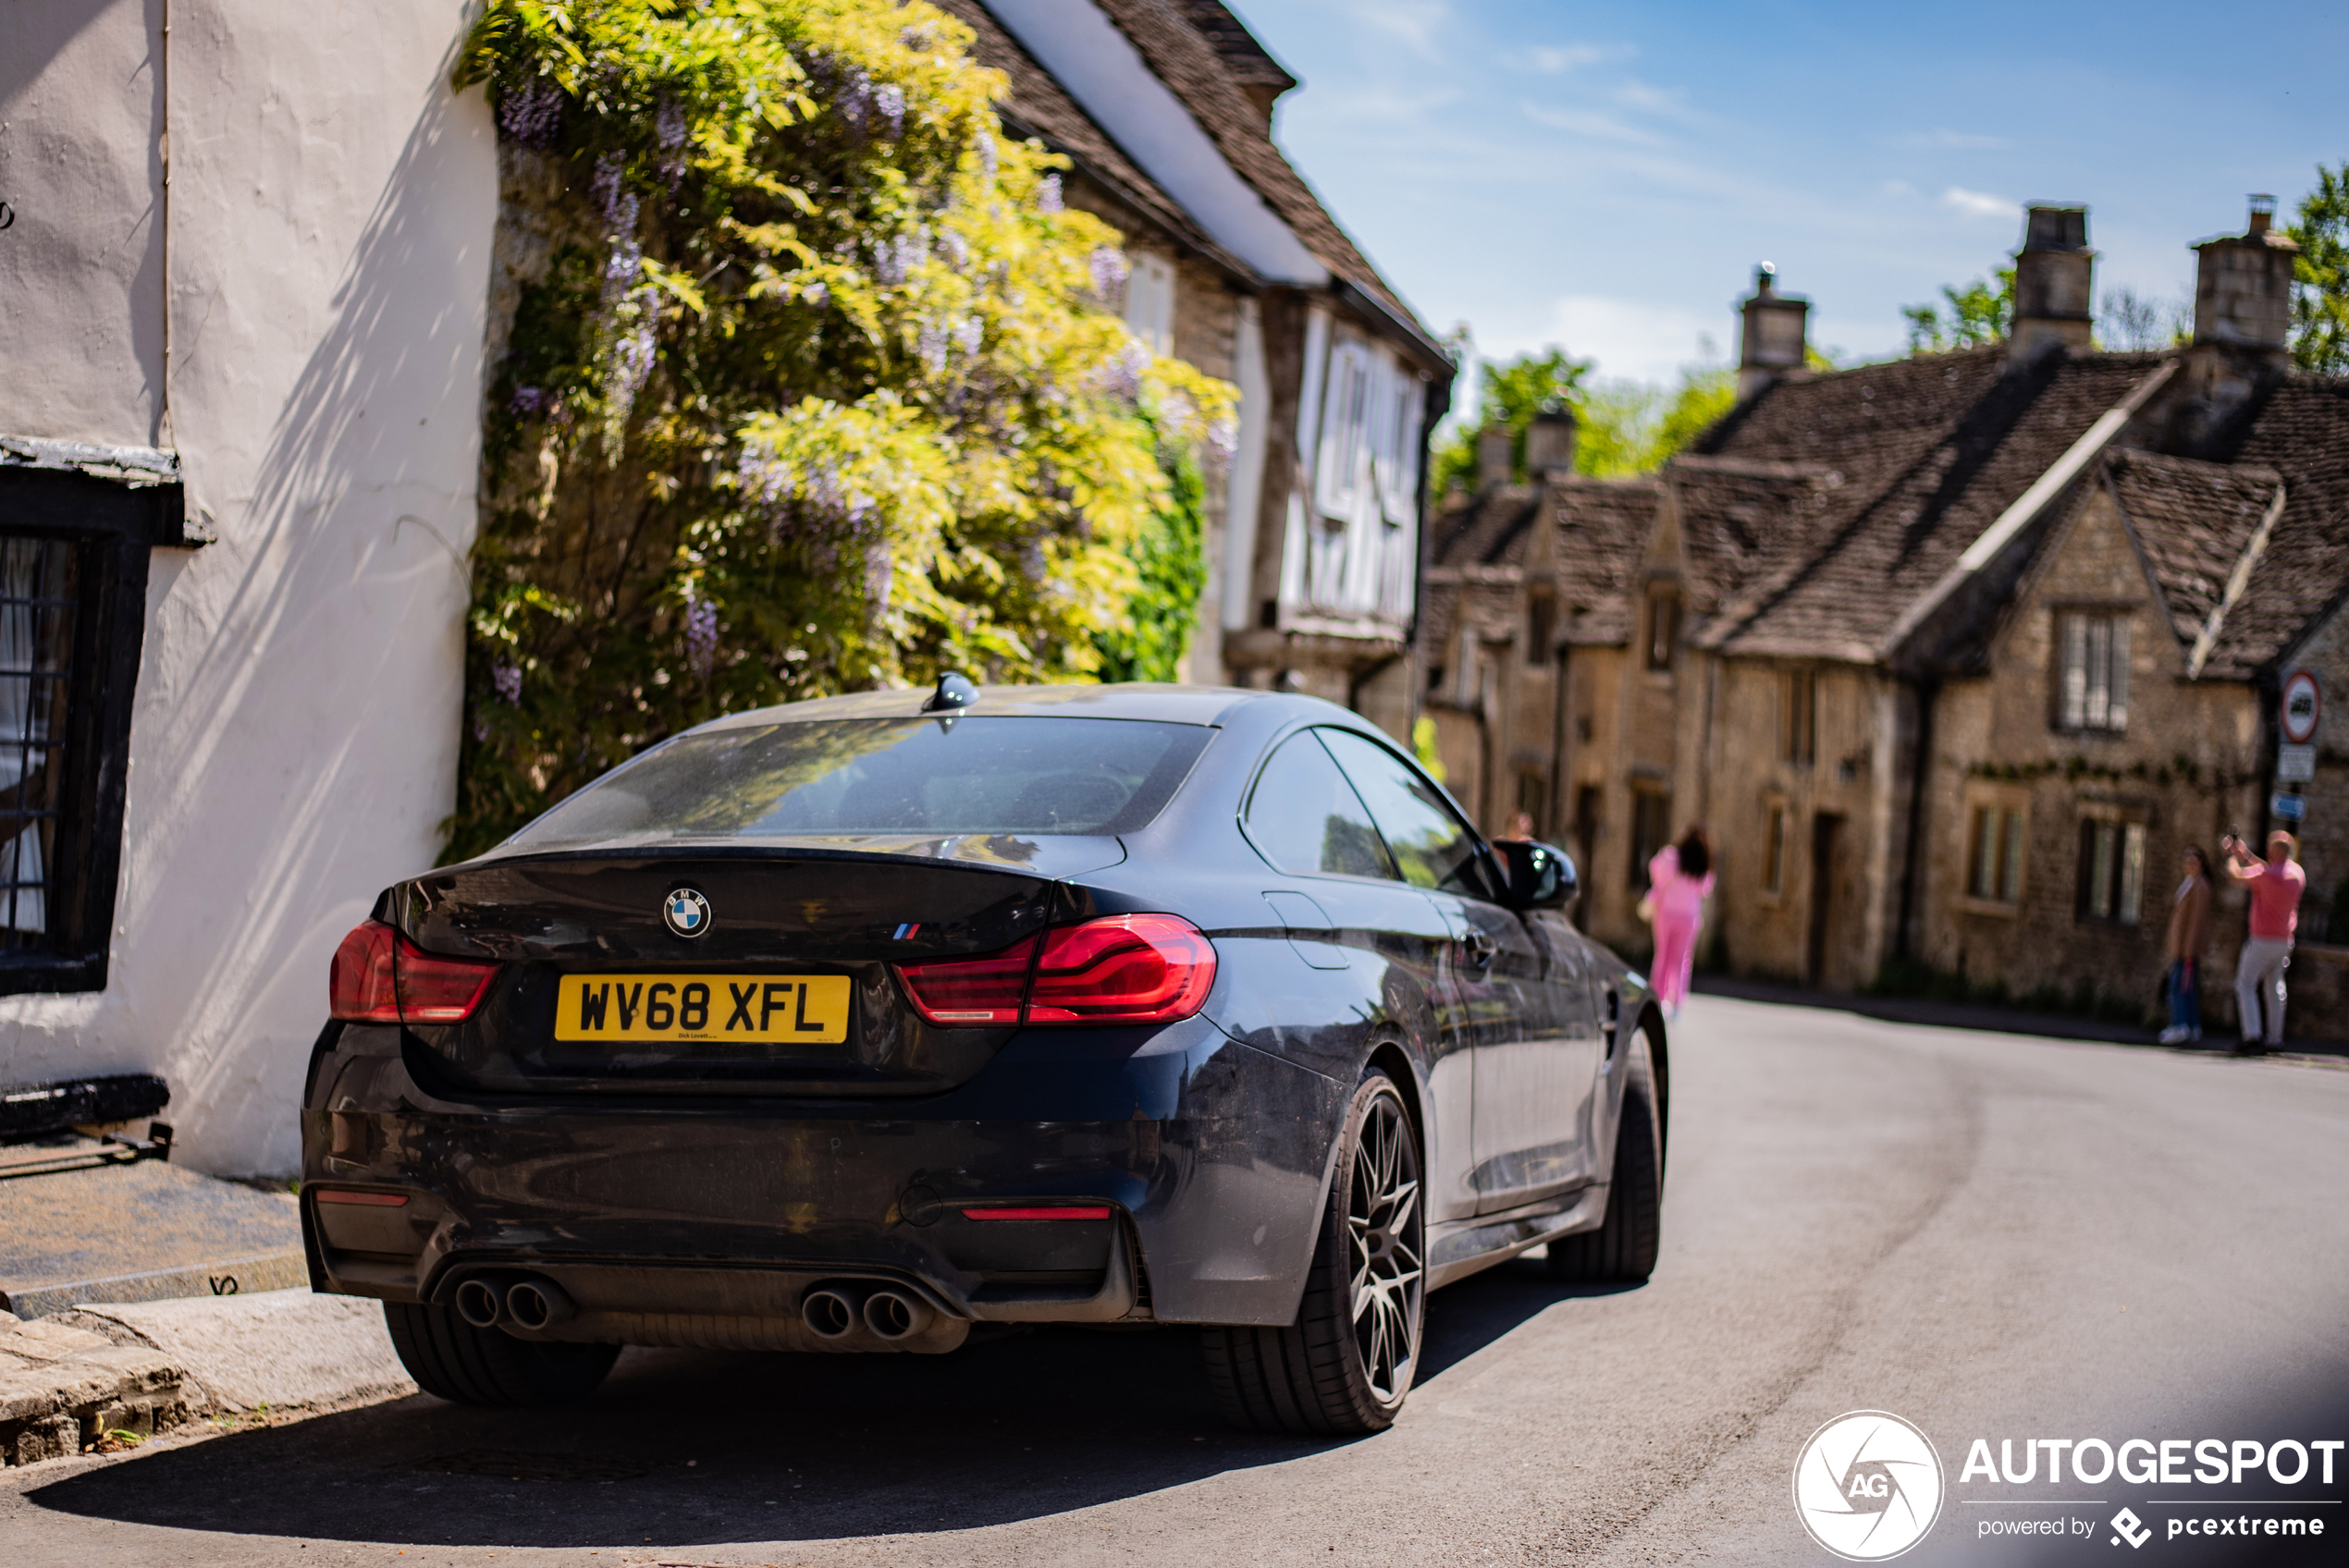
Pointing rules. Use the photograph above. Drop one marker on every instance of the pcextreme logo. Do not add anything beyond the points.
(1867, 1486)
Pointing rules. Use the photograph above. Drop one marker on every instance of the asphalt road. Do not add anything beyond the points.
(1990, 1235)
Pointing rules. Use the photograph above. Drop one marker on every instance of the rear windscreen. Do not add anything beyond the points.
(966, 774)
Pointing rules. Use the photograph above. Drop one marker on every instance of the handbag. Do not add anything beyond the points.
(1646, 909)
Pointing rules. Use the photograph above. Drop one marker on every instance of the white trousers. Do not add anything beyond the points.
(2260, 977)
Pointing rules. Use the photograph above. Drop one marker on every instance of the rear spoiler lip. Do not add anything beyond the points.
(967, 851)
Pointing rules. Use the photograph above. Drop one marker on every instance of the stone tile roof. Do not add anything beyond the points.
(1038, 106)
(1602, 527)
(1192, 68)
(2193, 521)
(1249, 62)
(2301, 429)
(1921, 455)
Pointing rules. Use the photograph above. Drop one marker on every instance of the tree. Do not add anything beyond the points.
(1622, 426)
(813, 386)
(1980, 313)
(1509, 394)
(2132, 323)
(2321, 275)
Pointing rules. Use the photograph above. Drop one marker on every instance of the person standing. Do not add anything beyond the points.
(2275, 885)
(1679, 880)
(2183, 949)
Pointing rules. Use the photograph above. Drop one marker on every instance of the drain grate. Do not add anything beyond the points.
(500, 1466)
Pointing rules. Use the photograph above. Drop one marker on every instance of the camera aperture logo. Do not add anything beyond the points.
(1868, 1486)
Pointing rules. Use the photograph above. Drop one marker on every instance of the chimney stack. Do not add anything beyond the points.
(1549, 445)
(2243, 285)
(1771, 337)
(1496, 456)
(2054, 285)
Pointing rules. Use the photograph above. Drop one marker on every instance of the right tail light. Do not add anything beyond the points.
(1118, 968)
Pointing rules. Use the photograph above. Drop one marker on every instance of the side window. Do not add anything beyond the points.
(1305, 817)
(1431, 846)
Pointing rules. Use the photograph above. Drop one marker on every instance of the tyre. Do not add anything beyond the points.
(452, 1359)
(1346, 1365)
(1624, 1247)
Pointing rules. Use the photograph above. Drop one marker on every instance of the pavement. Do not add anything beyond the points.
(141, 1231)
(1992, 1235)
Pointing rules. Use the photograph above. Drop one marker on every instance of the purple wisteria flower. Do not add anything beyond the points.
(880, 570)
(889, 99)
(969, 333)
(1048, 193)
(668, 130)
(507, 678)
(930, 344)
(1109, 271)
(528, 401)
(986, 154)
(957, 248)
(701, 634)
(533, 115)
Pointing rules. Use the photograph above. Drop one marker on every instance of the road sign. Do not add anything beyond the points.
(2292, 808)
(2296, 765)
(2303, 704)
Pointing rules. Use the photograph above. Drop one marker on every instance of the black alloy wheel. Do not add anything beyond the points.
(1346, 1365)
(1624, 1248)
(452, 1359)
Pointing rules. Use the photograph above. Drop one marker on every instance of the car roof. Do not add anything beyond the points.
(1144, 700)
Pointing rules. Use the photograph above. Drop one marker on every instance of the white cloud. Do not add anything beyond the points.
(1414, 21)
(1626, 337)
(1669, 102)
(1558, 57)
(1591, 122)
(1947, 141)
(1978, 203)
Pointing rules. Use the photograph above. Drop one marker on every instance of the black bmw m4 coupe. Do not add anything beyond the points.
(873, 1023)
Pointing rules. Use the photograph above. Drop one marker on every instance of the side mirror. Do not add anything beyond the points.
(1540, 875)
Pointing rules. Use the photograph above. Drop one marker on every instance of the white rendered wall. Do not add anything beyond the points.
(295, 739)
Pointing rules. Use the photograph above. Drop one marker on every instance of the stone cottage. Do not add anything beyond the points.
(1954, 654)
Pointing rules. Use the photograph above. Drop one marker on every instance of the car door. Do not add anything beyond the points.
(1345, 906)
(1562, 1084)
(1495, 971)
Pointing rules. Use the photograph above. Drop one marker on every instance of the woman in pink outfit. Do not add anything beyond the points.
(1679, 880)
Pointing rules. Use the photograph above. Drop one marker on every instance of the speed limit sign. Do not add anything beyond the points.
(2303, 704)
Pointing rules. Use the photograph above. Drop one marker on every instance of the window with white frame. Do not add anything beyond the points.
(1396, 467)
(2092, 674)
(1149, 301)
(1346, 428)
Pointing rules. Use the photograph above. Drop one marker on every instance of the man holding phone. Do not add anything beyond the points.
(2275, 885)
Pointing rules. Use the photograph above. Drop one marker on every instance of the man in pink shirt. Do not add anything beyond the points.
(2275, 885)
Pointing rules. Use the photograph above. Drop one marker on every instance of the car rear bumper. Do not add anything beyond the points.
(709, 1221)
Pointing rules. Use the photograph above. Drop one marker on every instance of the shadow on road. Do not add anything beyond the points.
(690, 1447)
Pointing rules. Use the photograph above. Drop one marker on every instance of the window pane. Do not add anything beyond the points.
(1774, 856)
(2011, 872)
(1431, 846)
(1307, 818)
(1980, 881)
(2100, 870)
(2117, 680)
(2133, 871)
(2099, 670)
(971, 774)
(2075, 633)
(39, 588)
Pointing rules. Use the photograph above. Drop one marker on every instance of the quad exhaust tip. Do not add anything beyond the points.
(831, 1312)
(481, 1302)
(894, 1315)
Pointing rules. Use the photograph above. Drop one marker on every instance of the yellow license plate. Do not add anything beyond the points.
(809, 1009)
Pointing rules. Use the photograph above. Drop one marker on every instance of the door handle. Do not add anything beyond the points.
(1481, 949)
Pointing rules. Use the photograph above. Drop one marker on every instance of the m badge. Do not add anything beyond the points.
(686, 911)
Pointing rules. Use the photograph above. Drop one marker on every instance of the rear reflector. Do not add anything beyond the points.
(373, 1200)
(380, 977)
(970, 992)
(1063, 1213)
(1121, 969)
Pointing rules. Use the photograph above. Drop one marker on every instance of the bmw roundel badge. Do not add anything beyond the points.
(686, 911)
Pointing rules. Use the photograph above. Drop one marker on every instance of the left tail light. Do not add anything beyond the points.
(380, 977)
(1119, 969)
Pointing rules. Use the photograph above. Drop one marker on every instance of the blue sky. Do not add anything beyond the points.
(1605, 176)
